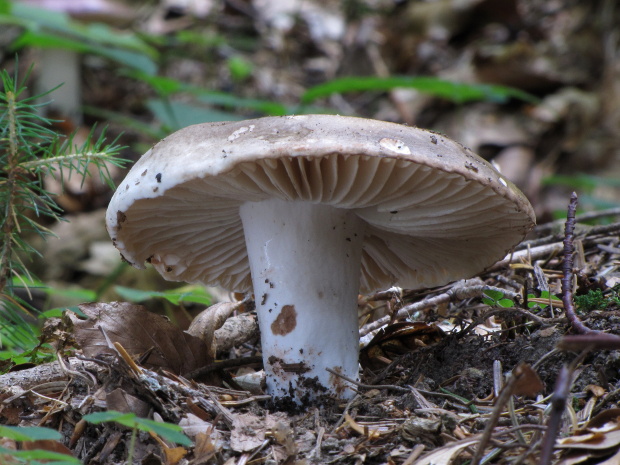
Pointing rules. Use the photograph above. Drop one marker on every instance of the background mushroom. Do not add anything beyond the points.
(60, 66)
(307, 211)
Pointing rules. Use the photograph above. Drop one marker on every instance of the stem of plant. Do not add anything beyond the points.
(567, 268)
(10, 221)
(558, 402)
(132, 445)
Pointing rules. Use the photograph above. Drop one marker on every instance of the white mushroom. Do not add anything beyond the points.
(307, 211)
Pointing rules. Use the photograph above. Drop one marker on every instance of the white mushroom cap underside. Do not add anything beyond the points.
(435, 211)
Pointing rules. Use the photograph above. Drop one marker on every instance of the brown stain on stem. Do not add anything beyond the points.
(285, 322)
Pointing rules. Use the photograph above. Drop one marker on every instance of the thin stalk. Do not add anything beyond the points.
(10, 223)
(132, 445)
(61, 159)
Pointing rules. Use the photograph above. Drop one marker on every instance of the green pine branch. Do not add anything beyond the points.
(30, 151)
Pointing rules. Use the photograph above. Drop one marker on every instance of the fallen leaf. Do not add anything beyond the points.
(210, 320)
(528, 382)
(121, 401)
(248, 432)
(48, 445)
(193, 425)
(602, 432)
(205, 447)
(139, 332)
(443, 455)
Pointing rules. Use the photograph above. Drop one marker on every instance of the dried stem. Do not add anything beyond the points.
(567, 268)
(10, 221)
(558, 401)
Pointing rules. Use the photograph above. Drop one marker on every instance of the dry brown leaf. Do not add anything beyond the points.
(48, 445)
(193, 425)
(613, 460)
(210, 320)
(579, 456)
(235, 331)
(284, 435)
(174, 454)
(121, 401)
(139, 332)
(606, 416)
(370, 430)
(602, 432)
(596, 391)
(248, 432)
(528, 382)
(205, 447)
(443, 455)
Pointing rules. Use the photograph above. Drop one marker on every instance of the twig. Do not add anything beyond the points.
(224, 365)
(558, 404)
(369, 386)
(567, 268)
(415, 453)
(580, 218)
(596, 341)
(533, 253)
(507, 311)
(502, 400)
(467, 289)
(345, 412)
(558, 401)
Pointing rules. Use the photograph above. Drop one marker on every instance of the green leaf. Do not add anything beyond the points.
(84, 295)
(191, 293)
(505, 303)
(454, 91)
(111, 415)
(177, 115)
(489, 302)
(166, 87)
(47, 40)
(5, 7)
(167, 431)
(239, 68)
(29, 433)
(495, 295)
(49, 457)
(547, 295)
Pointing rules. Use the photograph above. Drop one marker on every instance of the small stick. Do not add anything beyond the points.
(501, 401)
(600, 341)
(369, 386)
(567, 268)
(415, 453)
(224, 365)
(558, 402)
(461, 290)
(583, 217)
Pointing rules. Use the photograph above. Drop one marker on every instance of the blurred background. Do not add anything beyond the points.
(532, 86)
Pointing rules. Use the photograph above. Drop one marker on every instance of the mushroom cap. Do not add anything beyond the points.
(435, 211)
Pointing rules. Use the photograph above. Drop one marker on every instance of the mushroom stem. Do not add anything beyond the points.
(305, 262)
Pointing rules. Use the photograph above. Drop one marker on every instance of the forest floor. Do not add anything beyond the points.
(484, 366)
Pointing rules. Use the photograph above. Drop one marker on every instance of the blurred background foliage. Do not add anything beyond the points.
(531, 86)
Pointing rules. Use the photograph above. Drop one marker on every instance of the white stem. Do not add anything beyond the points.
(305, 263)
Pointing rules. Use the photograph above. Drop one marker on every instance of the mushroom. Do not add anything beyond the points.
(307, 211)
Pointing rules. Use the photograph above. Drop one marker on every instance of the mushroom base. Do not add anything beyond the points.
(305, 262)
